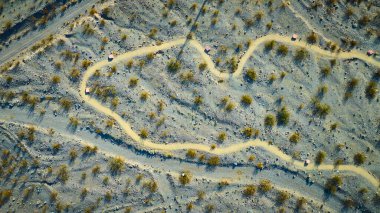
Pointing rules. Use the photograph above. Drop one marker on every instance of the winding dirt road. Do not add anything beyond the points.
(239, 146)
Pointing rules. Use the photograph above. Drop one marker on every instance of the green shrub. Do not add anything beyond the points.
(246, 99)
(359, 158)
(371, 90)
(333, 183)
(295, 137)
(191, 153)
(185, 177)
(283, 116)
(62, 173)
(249, 190)
(270, 120)
(265, 185)
(213, 161)
(282, 197)
(222, 136)
(282, 50)
(173, 65)
(251, 75)
(312, 38)
(321, 156)
(270, 45)
(116, 165)
(301, 54)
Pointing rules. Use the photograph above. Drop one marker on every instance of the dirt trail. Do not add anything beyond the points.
(239, 146)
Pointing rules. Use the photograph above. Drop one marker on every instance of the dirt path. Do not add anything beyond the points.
(239, 146)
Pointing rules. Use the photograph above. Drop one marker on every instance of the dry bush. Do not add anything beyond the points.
(249, 190)
(185, 177)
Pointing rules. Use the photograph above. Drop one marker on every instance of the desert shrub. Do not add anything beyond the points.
(213, 161)
(233, 64)
(249, 190)
(87, 149)
(259, 15)
(334, 126)
(53, 196)
(194, 6)
(312, 38)
(74, 74)
(282, 197)
(248, 132)
(62, 173)
(198, 100)
(295, 137)
(265, 185)
(185, 177)
(320, 157)
(270, 45)
(133, 81)
(351, 84)
(83, 193)
(283, 116)
(144, 95)
(56, 147)
(173, 65)
(322, 90)
(202, 66)
(124, 37)
(282, 50)
(144, 133)
(359, 158)
(270, 120)
(371, 90)
(300, 203)
(246, 99)
(364, 20)
(230, 106)
(260, 165)
(73, 121)
(73, 154)
(321, 109)
(187, 76)
(115, 102)
(153, 32)
(251, 75)
(116, 165)
(151, 185)
(191, 153)
(301, 54)
(86, 63)
(333, 183)
(222, 136)
(56, 79)
(326, 71)
(251, 158)
(108, 196)
(272, 78)
(95, 170)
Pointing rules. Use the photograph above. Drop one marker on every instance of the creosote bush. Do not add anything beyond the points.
(301, 54)
(282, 50)
(185, 177)
(371, 90)
(62, 173)
(295, 137)
(246, 99)
(359, 158)
(249, 190)
(270, 120)
(222, 136)
(270, 45)
(116, 165)
(282, 197)
(251, 75)
(173, 65)
(265, 185)
(283, 116)
(198, 100)
(312, 38)
(333, 183)
(144, 133)
(213, 161)
(191, 153)
(321, 156)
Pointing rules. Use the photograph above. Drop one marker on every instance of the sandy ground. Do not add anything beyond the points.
(237, 38)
